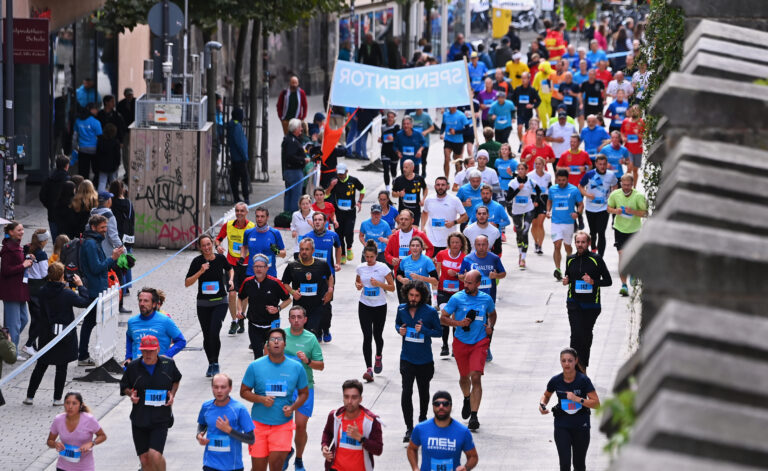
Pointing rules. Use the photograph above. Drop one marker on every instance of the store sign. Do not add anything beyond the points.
(364, 86)
(30, 40)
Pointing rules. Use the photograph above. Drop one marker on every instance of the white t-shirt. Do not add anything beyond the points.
(370, 295)
(523, 200)
(461, 177)
(490, 176)
(405, 243)
(441, 210)
(561, 131)
(302, 226)
(473, 230)
(543, 182)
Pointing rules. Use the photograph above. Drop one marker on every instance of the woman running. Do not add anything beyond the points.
(388, 212)
(541, 182)
(214, 276)
(521, 193)
(301, 222)
(72, 435)
(448, 265)
(417, 267)
(372, 277)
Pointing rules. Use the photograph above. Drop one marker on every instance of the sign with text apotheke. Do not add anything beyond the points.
(30, 40)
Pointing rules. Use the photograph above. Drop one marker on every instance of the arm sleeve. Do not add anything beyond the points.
(374, 442)
(243, 437)
(179, 342)
(222, 233)
(605, 274)
(128, 346)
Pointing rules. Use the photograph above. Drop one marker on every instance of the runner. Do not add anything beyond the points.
(469, 193)
(325, 207)
(632, 131)
(490, 146)
(474, 313)
(409, 144)
(352, 433)
(497, 215)
(593, 136)
(585, 273)
(522, 193)
(540, 149)
(423, 124)
(149, 322)
(389, 128)
(448, 265)
(477, 71)
(576, 162)
(417, 322)
(482, 227)
(559, 135)
(542, 84)
(223, 425)
(617, 111)
(79, 431)
(416, 268)
(328, 248)
(152, 397)
(564, 206)
(629, 205)
(452, 132)
(264, 240)
(617, 154)
(399, 244)
(526, 100)
(409, 187)
(516, 70)
(595, 186)
(463, 167)
(388, 212)
(377, 230)
(575, 396)
(502, 112)
(505, 167)
(234, 231)
(301, 223)
(442, 440)
(260, 297)
(214, 276)
(372, 277)
(592, 95)
(489, 175)
(269, 383)
(486, 97)
(541, 180)
(442, 213)
(302, 346)
(311, 284)
(342, 193)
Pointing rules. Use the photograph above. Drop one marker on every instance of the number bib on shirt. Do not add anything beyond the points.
(218, 443)
(412, 336)
(575, 169)
(322, 254)
(236, 246)
(276, 388)
(521, 199)
(545, 86)
(523, 99)
(501, 120)
(436, 464)
(70, 453)
(582, 287)
(592, 101)
(308, 289)
(275, 324)
(438, 222)
(128, 239)
(418, 129)
(209, 287)
(569, 407)
(372, 291)
(410, 198)
(568, 100)
(404, 251)
(344, 204)
(345, 441)
(450, 286)
(155, 397)
(632, 138)
(598, 200)
(389, 137)
(561, 205)
(409, 150)
(485, 282)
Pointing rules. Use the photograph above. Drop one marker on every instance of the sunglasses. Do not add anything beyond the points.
(276, 339)
(441, 404)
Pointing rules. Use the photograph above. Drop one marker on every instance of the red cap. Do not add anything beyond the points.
(149, 342)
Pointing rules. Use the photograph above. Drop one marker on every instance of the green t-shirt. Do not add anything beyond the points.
(493, 149)
(307, 343)
(420, 123)
(628, 224)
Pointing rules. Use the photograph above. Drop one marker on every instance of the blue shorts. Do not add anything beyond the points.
(309, 404)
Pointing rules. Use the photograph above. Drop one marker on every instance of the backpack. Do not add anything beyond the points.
(70, 258)
(283, 220)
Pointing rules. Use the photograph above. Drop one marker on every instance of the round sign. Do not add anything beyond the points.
(175, 19)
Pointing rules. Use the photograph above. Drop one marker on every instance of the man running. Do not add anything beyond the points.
(539, 149)
(497, 215)
(564, 206)
(234, 232)
(469, 193)
(327, 248)
(585, 273)
(442, 440)
(576, 162)
(593, 136)
(595, 186)
(152, 397)
(302, 346)
(352, 434)
(452, 132)
(311, 284)
(629, 205)
(223, 425)
(473, 313)
(526, 100)
(377, 230)
(482, 227)
(342, 192)
(617, 154)
(409, 188)
(409, 144)
(269, 383)
(441, 215)
(422, 124)
(262, 239)
(149, 321)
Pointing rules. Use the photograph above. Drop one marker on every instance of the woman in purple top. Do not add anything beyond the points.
(75, 430)
(486, 98)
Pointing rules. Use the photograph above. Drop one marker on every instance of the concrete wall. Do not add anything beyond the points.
(133, 47)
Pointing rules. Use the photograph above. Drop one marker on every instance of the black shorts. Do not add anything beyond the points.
(240, 275)
(523, 119)
(145, 439)
(541, 208)
(469, 134)
(620, 239)
(455, 147)
(443, 297)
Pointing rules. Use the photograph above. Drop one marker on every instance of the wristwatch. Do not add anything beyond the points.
(582, 400)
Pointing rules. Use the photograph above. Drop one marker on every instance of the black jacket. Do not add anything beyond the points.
(127, 109)
(592, 264)
(125, 217)
(136, 376)
(115, 118)
(56, 303)
(370, 54)
(107, 154)
(292, 153)
(50, 191)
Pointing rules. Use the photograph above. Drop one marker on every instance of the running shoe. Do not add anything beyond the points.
(300, 467)
(473, 424)
(327, 337)
(29, 350)
(27, 401)
(522, 264)
(407, 437)
(241, 326)
(503, 237)
(57, 403)
(208, 373)
(232, 329)
(87, 362)
(489, 357)
(288, 459)
(350, 255)
(465, 409)
(368, 375)
(624, 291)
(558, 274)
(377, 366)
(444, 351)
(215, 369)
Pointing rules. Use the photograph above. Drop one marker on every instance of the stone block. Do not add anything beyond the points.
(745, 13)
(637, 458)
(721, 66)
(692, 205)
(715, 154)
(736, 38)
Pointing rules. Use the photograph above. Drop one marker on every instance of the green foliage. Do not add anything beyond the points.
(664, 53)
(573, 9)
(623, 416)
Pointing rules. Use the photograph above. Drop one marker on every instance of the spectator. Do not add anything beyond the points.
(107, 157)
(35, 280)
(345, 50)
(503, 54)
(63, 215)
(292, 103)
(56, 303)
(95, 266)
(370, 52)
(58, 244)
(238, 155)
(122, 208)
(455, 52)
(87, 131)
(127, 107)
(514, 40)
(86, 198)
(394, 57)
(316, 128)
(87, 94)
(112, 237)
(109, 115)
(51, 191)
(7, 354)
(293, 159)
(485, 58)
(13, 291)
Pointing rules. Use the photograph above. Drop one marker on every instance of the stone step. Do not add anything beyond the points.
(713, 64)
(637, 458)
(736, 37)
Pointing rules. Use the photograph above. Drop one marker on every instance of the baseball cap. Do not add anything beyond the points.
(474, 54)
(442, 395)
(562, 114)
(376, 208)
(319, 117)
(149, 342)
(341, 168)
(105, 195)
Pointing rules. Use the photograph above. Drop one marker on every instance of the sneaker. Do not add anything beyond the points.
(522, 264)
(29, 350)
(624, 291)
(407, 436)
(241, 326)
(368, 375)
(327, 337)
(558, 274)
(27, 401)
(300, 467)
(232, 329)
(489, 357)
(444, 351)
(503, 237)
(57, 403)
(208, 371)
(21, 358)
(465, 409)
(377, 366)
(288, 459)
(350, 255)
(215, 369)
(87, 362)
(473, 424)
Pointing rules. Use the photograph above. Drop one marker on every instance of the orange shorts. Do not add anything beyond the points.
(470, 357)
(271, 438)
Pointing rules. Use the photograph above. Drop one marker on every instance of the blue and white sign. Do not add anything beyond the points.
(364, 86)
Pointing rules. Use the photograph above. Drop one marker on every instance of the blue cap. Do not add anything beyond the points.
(319, 117)
(105, 195)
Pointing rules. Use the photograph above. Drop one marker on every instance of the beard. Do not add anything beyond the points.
(414, 304)
(441, 193)
(442, 415)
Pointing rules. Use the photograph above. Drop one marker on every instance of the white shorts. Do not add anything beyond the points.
(562, 232)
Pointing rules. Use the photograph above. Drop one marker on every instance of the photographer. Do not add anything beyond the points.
(7, 354)
(56, 303)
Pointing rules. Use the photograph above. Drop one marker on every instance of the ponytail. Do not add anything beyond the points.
(370, 246)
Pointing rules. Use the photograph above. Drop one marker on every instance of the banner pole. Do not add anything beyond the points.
(472, 105)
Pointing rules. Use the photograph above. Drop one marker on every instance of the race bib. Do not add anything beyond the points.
(236, 246)
(556, 86)
(592, 101)
(410, 198)
(276, 388)
(345, 441)
(209, 287)
(275, 324)
(561, 205)
(218, 443)
(412, 336)
(445, 464)
(521, 199)
(389, 137)
(582, 287)
(568, 100)
(575, 169)
(624, 214)
(488, 102)
(155, 397)
(523, 99)
(418, 129)
(621, 110)
(438, 222)
(404, 251)
(501, 120)
(308, 289)
(344, 204)
(372, 291)
(128, 239)
(545, 86)
(598, 200)
(569, 407)
(632, 138)
(70, 453)
(476, 81)
(321, 254)
(451, 286)
(409, 150)
(485, 283)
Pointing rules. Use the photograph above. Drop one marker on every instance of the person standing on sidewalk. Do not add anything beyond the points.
(50, 191)
(342, 192)
(311, 283)
(14, 290)
(125, 216)
(95, 265)
(292, 104)
(223, 425)
(234, 232)
(352, 434)
(238, 156)
(293, 158)
(629, 206)
(151, 383)
(36, 279)
(214, 277)
(269, 383)
(151, 321)
(76, 428)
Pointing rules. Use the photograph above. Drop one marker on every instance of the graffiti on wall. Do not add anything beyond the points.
(168, 198)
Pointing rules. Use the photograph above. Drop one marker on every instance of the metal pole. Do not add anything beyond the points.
(357, 30)
(8, 130)
(265, 104)
(186, 51)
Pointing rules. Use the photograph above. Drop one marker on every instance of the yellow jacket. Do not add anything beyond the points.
(515, 72)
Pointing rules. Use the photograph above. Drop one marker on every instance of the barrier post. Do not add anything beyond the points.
(105, 338)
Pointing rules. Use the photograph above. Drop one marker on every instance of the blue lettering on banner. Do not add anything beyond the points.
(70, 453)
(521, 199)
(218, 443)
(344, 204)
(409, 150)
(523, 99)
(372, 291)
(308, 289)
(436, 464)
(209, 287)
(439, 86)
(155, 397)
(592, 101)
(451, 286)
(276, 388)
(410, 198)
(582, 287)
(438, 222)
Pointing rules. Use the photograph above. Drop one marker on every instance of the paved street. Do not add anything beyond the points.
(531, 330)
